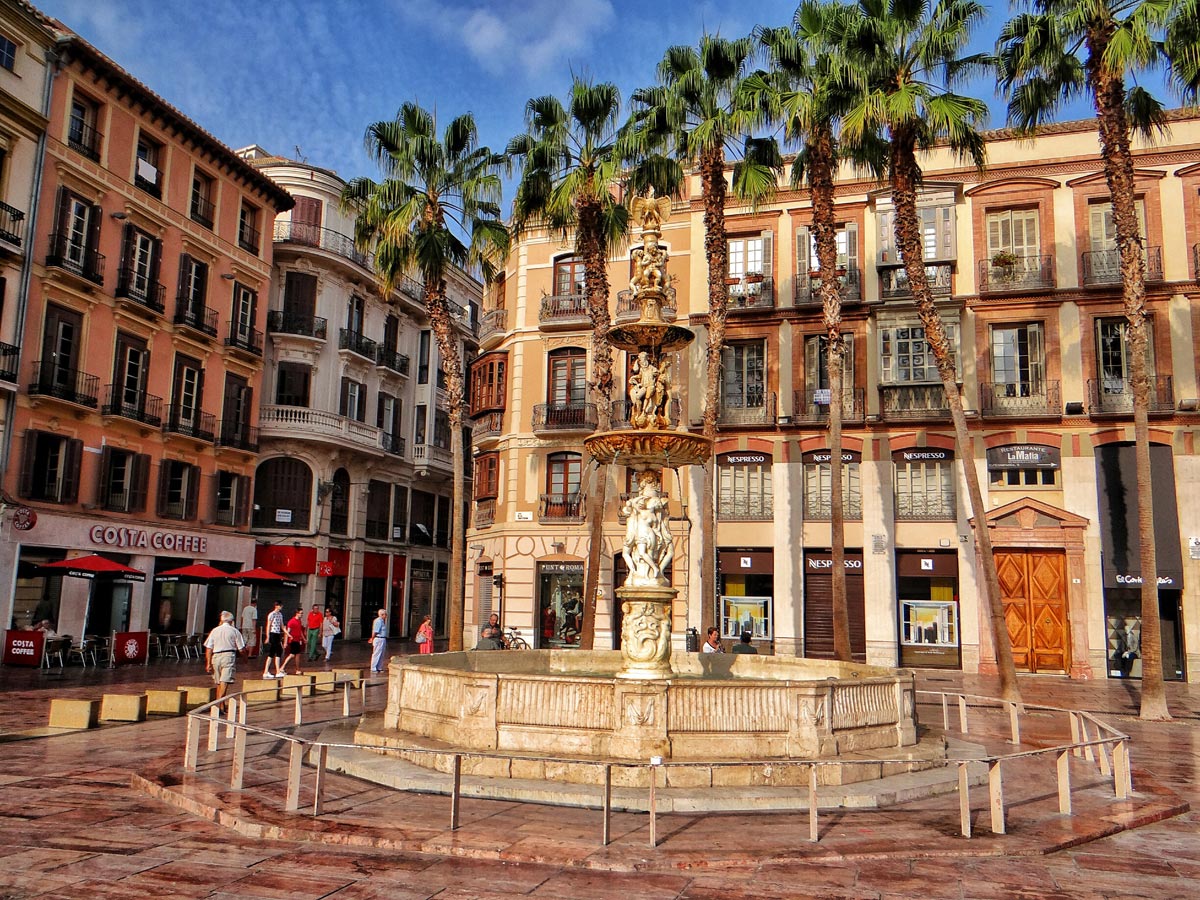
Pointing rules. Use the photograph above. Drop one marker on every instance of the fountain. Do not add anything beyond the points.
(645, 701)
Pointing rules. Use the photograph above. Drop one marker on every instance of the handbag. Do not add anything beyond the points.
(336, 631)
(421, 637)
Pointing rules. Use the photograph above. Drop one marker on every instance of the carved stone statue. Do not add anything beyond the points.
(650, 212)
(648, 549)
(645, 633)
(649, 393)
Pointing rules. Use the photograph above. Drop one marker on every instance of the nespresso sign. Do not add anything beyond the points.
(1024, 456)
(744, 458)
(922, 454)
(824, 456)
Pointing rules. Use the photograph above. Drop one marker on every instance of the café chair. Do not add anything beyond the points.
(55, 647)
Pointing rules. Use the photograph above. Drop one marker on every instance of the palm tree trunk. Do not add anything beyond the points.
(1109, 93)
(442, 326)
(824, 226)
(905, 177)
(716, 251)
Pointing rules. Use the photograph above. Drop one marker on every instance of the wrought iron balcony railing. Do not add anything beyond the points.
(913, 401)
(284, 322)
(241, 338)
(203, 210)
(140, 289)
(1114, 396)
(812, 405)
(629, 309)
(820, 509)
(83, 138)
(152, 186)
(10, 358)
(12, 225)
(248, 238)
(485, 513)
(573, 416)
(560, 309)
(238, 435)
(751, 292)
(53, 380)
(136, 405)
(75, 257)
(752, 408)
(1005, 272)
(562, 508)
(894, 282)
(749, 508)
(1021, 399)
(356, 343)
(492, 322)
(808, 285)
(322, 238)
(194, 315)
(927, 507)
(390, 359)
(488, 425)
(1104, 266)
(191, 422)
(395, 445)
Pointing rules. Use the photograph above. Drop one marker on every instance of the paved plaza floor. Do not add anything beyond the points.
(72, 824)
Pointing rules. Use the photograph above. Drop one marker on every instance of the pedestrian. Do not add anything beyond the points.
(273, 639)
(295, 643)
(314, 625)
(330, 628)
(745, 646)
(712, 643)
(425, 635)
(221, 650)
(493, 623)
(489, 641)
(378, 641)
(250, 624)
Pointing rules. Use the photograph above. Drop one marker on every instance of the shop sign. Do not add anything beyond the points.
(565, 568)
(822, 561)
(745, 562)
(1024, 456)
(283, 516)
(24, 648)
(141, 539)
(295, 560)
(131, 648)
(744, 458)
(23, 518)
(1121, 579)
(926, 564)
(824, 456)
(922, 454)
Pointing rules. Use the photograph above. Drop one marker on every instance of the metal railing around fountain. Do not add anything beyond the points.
(1090, 741)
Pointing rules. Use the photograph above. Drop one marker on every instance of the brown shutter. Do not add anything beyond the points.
(183, 300)
(28, 458)
(242, 510)
(344, 408)
(60, 208)
(818, 615)
(127, 233)
(164, 479)
(139, 482)
(72, 460)
(155, 263)
(193, 492)
(105, 476)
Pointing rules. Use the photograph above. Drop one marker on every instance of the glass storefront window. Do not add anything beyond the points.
(560, 604)
(752, 614)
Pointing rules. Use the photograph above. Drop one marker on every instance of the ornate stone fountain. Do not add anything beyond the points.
(648, 447)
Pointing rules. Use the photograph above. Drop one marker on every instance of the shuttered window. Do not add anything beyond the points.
(50, 467)
(818, 613)
(178, 489)
(818, 491)
(745, 493)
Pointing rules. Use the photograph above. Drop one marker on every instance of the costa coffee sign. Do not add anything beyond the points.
(143, 539)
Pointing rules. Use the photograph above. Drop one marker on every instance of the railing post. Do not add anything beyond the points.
(996, 796)
(191, 749)
(962, 713)
(1014, 722)
(239, 759)
(1102, 753)
(346, 699)
(945, 713)
(295, 765)
(1086, 737)
(298, 715)
(814, 833)
(1064, 782)
(455, 794)
(214, 727)
(319, 781)
(653, 808)
(1074, 717)
(964, 799)
(607, 804)
(1122, 778)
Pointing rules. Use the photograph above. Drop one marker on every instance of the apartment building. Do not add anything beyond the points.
(1023, 261)
(134, 431)
(352, 494)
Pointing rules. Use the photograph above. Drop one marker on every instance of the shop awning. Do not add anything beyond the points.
(92, 567)
(1117, 489)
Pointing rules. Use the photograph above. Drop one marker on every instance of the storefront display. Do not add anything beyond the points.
(560, 604)
(746, 582)
(927, 588)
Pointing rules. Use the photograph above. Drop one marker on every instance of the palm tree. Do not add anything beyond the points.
(1063, 49)
(911, 52)
(697, 112)
(569, 169)
(437, 207)
(811, 87)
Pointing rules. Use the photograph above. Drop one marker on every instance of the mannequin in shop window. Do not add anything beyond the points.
(1131, 640)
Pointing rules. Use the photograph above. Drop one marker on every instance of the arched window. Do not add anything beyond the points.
(339, 503)
(283, 494)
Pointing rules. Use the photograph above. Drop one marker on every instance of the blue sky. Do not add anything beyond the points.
(304, 78)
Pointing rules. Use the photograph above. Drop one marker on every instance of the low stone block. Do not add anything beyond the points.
(352, 675)
(197, 695)
(65, 713)
(289, 683)
(123, 708)
(165, 703)
(323, 682)
(260, 690)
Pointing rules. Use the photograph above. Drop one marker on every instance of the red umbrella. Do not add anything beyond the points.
(91, 567)
(197, 573)
(262, 576)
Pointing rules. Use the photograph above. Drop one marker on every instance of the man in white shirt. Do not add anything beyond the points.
(379, 641)
(250, 624)
(221, 650)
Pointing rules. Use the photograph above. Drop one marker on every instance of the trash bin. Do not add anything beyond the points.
(692, 638)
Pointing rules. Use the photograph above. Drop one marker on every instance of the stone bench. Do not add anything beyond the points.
(323, 682)
(123, 708)
(289, 683)
(165, 703)
(260, 690)
(194, 695)
(67, 713)
(354, 676)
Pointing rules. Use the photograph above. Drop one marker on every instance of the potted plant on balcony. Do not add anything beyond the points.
(754, 277)
(731, 280)
(1005, 263)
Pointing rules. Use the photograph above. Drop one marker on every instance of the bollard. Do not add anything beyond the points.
(191, 749)
(1064, 782)
(295, 767)
(962, 713)
(1014, 723)
(455, 795)
(238, 770)
(964, 799)
(607, 837)
(813, 830)
(996, 796)
(319, 781)
(653, 811)
(214, 727)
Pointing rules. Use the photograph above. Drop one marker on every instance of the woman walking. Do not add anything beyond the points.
(425, 635)
(330, 628)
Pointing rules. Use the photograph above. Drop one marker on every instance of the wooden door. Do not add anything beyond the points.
(1033, 586)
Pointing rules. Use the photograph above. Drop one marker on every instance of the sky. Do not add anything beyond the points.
(304, 78)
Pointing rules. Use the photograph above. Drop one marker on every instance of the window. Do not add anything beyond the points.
(387, 418)
(355, 314)
(487, 476)
(242, 332)
(203, 207)
(248, 234)
(354, 400)
(1103, 227)
(423, 358)
(1114, 359)
(1102, 261)
(292, 383)
(131, 368)
(339, 503)
(178, 487)
(379, 502)
(8, 53)
(62, 337)
(391, 333)
(82, 136)
(816, 372)
(1023, 477)
(1013, 231)
(50, 467)
(235, 415)
(563, 472)
(148, 172)
(568, 276)
(1018, 363)
(846, 239)
(191, 304)
(299, 298)
(137, 278)
(186, 391)
(818, 489)
(924, 484)
(441, 429)
(742, 383)
(906, 357)
(489, 383)
(231, 499)
(746, 256)
(73, 246)
(568, 376)
(282, 494)
(124, 480)
(744, 491)
(936, 214)
(421, 520)
(420, 424)
(400, 514)
(306, 221)
(441, 534)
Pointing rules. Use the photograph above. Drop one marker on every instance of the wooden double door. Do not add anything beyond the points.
(1033, 586)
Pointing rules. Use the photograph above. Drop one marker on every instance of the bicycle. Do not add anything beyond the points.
(514, 641)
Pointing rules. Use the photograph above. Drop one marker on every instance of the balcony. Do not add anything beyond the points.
(238, 435)
(563, 509)
(191, 422)
(621, 410)
(1103, 267)
(203, 211)
(136, 405)
(12, 225)
(747, 508)
(1114, 396)
(808, 285)
(248, 340)
(427, 454)
(564, 311)
(630, 310)
(1025, 399)
(140, 290)
(84, 139)
(77, 258)
(71, 385)
(148, 179)
(751, 293)
(283, 322)
(913, 401)
(395, 445)
(812, 405)
(485, 513)
(10, 357)
(302, 423)
(390, 359)
(248, 238)
(488, 425)
(323, 239)
(753, 408)
(196, 316)
(357, 343)
(821, 509)
(574, 416)
(928, 507)
(493, 322)
(1009, 274)
(894, 282)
